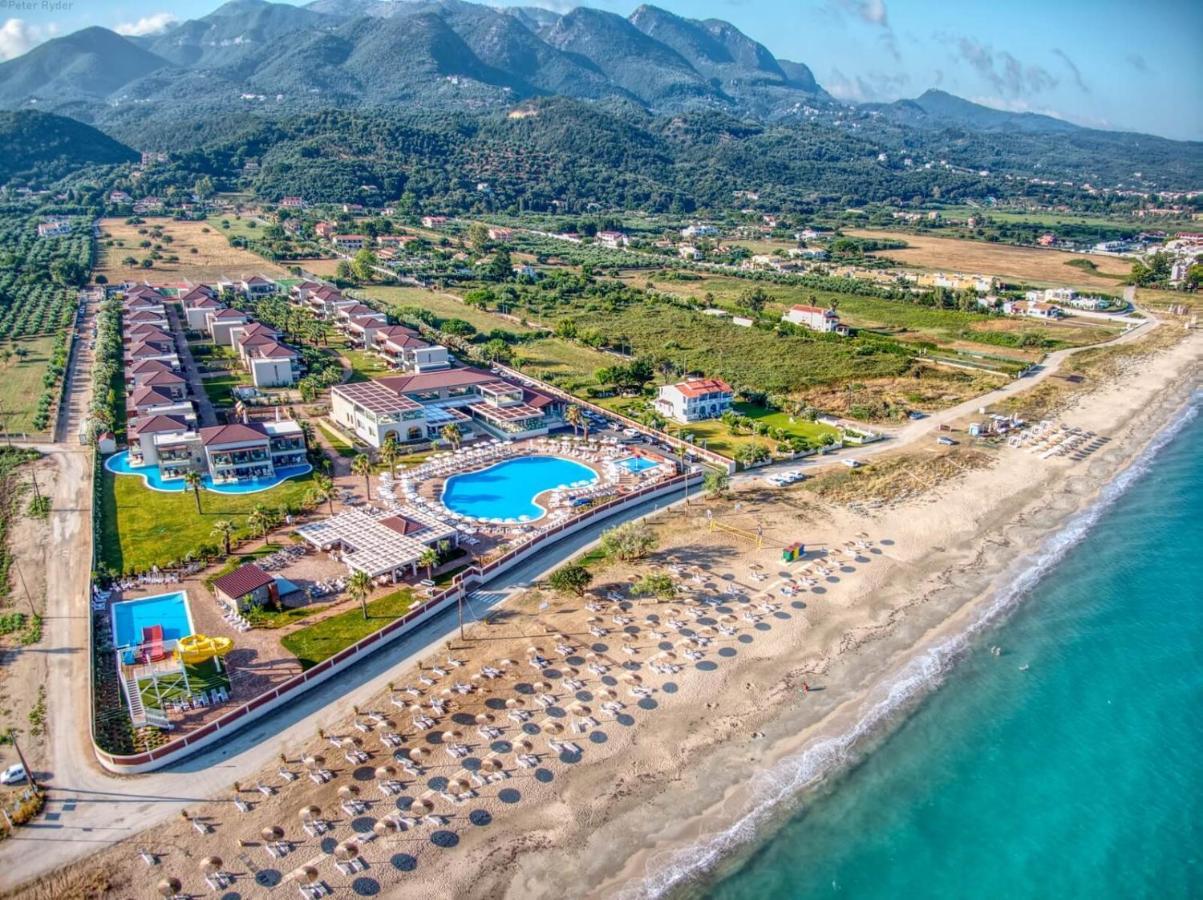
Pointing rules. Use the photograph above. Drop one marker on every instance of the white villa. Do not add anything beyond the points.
(815, 318)
(1032, 309)
(695, 399)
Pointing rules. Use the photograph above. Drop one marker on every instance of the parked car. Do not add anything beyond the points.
(946, 441)
(14, 774)
(851, 463)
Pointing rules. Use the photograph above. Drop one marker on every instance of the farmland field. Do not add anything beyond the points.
(322, 268)
(214, 257)
(1028, 264)
(21, 381)
(445, 306)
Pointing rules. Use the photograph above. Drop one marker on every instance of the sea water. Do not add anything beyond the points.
(1070, 765)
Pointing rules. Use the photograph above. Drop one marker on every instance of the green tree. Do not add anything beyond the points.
(428, 560)
(192, 481)
(359, 586)
(573, 417)
(224, 529)
(478, 236)
(452, 435)
(390, 453)
(362, 465)
(628, 541)
(716, 482)
(658, 585)
(501, 267)
(323, 487)
(364, 265)
(572, 578)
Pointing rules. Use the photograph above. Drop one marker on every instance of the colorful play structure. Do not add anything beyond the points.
(793, 553)
(197, 648)
(166, 668)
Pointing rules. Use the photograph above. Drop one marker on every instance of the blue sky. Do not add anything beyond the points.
(1106, 63)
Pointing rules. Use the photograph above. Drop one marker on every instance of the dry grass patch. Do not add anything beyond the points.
(214, 257)
(1028, 264)
(897, 478)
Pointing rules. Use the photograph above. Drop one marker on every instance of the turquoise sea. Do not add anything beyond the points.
(1069, 766)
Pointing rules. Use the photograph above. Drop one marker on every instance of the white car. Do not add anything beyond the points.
(946, 441)
(14, 774)
(851, 463)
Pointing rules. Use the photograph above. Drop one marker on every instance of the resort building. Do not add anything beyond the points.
(386, 546)
(1032, 309)
(405, 349)
(250, 450)
(825, 321)
(695, 399)
(246, 585)
(257, 286)
(220, 323)
(416, 407)
(272, 364)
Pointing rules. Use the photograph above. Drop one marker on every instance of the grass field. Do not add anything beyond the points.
(323, 268)
(143, 528)
(313, 643)
(340, 444)
(21, 382)
(201, 677)
(567, 364)
(219, 390)
(445, 306)
(1028, 264)
(213, 259)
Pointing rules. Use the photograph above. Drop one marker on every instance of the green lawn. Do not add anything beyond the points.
(220, 389)
(340, 444)
(201, 677)
(364, 366)
(791, 425)
(141, 528)
(21, 381)
(312, 644)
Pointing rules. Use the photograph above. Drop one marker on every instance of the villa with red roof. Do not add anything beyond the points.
(816, 318)
(695, 399)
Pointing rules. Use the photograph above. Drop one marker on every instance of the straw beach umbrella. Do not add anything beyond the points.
(483, 718)
(553, 727)
(169, 887)
(210, 865)
(348, 791)
(309, 874)
(417, 754)
(346, 851)
(424, 803)
(272, 833)
(385, 771)
(385, 827)
(309, 813)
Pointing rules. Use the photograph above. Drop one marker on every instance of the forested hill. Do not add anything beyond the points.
(42, 147)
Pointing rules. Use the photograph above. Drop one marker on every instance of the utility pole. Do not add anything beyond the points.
(33, 476)
(24, 587)
(33, 783)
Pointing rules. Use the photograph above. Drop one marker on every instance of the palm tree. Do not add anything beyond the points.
(362, 465)
(390, 453)
(259, 521)
(193, 481)
(323, 485)
(451, 434)
(572, 415)
(224, 529)
(429, 559)
(359, 585)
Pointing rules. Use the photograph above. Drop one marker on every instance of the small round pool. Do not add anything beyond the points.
(119, 464)
(508, 489)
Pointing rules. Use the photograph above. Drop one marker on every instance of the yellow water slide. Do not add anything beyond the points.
(196, 648)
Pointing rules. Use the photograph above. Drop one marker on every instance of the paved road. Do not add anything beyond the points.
(88, 808)
(196, 385)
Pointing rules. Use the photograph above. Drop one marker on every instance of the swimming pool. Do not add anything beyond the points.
(170, 611)
(637, 464)
(119, 464)
(508, 489)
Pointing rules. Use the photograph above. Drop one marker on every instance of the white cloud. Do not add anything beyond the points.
(18, 36)
(152, 24)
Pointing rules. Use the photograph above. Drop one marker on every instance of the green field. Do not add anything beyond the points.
(219, 390)
(568, 364)
(340, 444)
(313, 643)
(143, 528)
(21, 381)
(201, 677)
(444, 306)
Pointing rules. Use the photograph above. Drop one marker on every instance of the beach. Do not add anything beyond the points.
(785, 687)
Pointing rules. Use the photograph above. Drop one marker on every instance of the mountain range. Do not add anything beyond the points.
(652, 73)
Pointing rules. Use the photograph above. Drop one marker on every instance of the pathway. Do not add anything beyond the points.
(196, 385)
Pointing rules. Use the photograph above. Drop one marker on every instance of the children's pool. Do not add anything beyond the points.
(637, 464)
(170, 611)
(508, 490)
(119, 464)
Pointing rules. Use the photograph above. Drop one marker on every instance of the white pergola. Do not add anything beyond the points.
(371, 546)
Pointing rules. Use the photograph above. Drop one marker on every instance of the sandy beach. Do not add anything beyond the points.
(680, 727)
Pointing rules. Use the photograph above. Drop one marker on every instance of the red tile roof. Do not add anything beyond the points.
(158, 378)
(402, 525)
(273, 350)
(149, 365)
(812, 309)
(242, 581)
(698, 386)
(157, 424)
(232, 434)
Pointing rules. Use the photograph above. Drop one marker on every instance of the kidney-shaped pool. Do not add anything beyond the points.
(508, 489)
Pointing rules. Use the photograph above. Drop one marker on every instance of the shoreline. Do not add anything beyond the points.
(646, 790)
(821, 759)
(680, 841)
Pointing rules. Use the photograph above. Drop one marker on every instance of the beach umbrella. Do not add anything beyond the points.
(356, 742)
(554, 727)
(543, 686)
(514, 703)
(524, 744)
(385, 771)
(384, 827)
(632, 678)
(347, 791)
(452, 735)
(608, 693)
(211, 865)
(493, 764)
(309, 874)
(417, 754)
(580, 709)
(425, 803)
(460, 784)
(347, 850)
(309, 813)
(272, 833)
(169, 887)
(483, 718)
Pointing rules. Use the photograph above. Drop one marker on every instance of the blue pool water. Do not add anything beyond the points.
(508, 489)
(130, 617)
(637, 464)
(1079, 776)
(119, 464)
